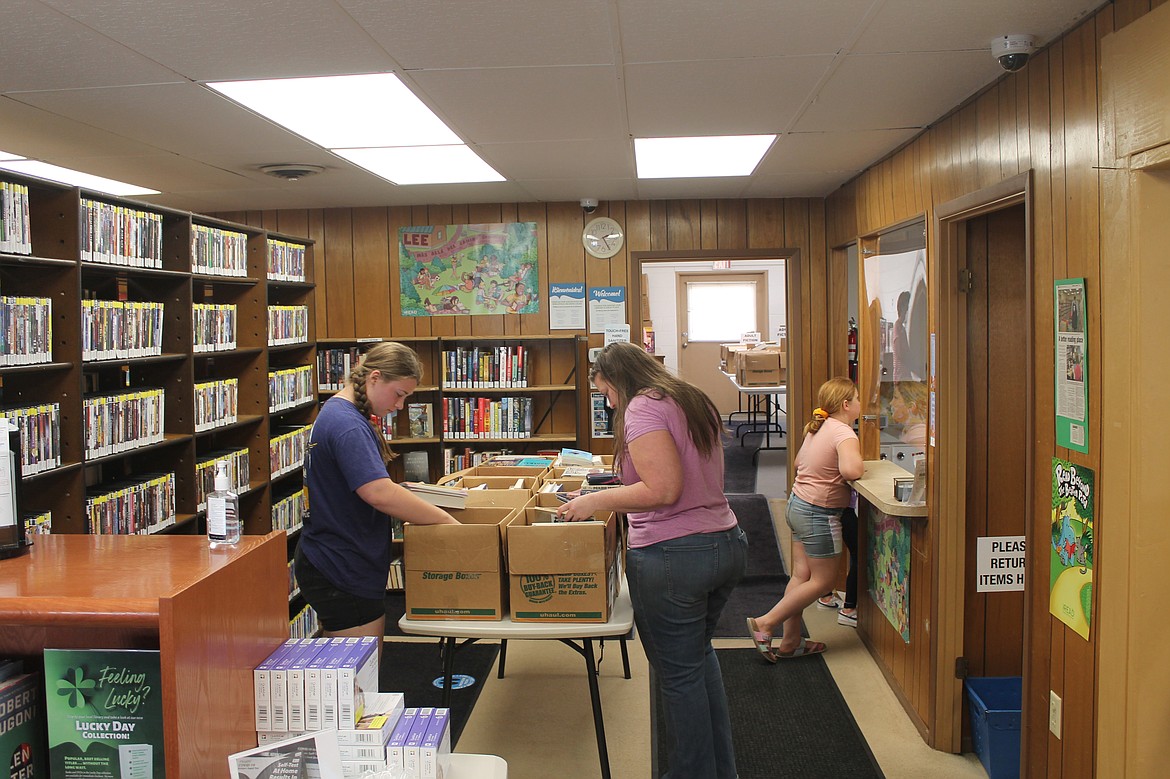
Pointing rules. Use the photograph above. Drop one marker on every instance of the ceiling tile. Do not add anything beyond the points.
(720, 97)
(837, 151)
(526, 104)
(798, 184)
(488, 35)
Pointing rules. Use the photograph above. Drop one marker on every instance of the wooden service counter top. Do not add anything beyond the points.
(214, 615)
(876, 486)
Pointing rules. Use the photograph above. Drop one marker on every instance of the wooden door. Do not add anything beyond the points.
(997, 490)
(698, 350)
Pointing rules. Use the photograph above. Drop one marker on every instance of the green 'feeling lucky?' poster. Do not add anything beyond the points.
(1071, 569)
(105, 716)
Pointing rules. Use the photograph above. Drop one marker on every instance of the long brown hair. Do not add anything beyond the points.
(631, 371)
(393, 361)
(832, 395)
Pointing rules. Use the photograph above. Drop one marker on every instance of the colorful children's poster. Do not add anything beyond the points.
(105, 714)
(566, 306)
(889, 569)
(1072, 366)
(468, 269)
(1071, 568)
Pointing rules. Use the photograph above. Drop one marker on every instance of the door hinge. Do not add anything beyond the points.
(966, 281)
(960, 668)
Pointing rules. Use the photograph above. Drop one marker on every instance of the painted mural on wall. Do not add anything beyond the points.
(889, 569)
(468, 269)
(1071, 569)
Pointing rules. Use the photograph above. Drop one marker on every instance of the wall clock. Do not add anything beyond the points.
(603, 237)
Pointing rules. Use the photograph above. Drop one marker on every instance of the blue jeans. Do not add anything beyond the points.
(678, 589)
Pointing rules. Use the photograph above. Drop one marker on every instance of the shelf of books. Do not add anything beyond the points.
(480, 396)
(135, 355)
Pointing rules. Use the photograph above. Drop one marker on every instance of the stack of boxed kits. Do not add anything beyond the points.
(756, 365)
(319, 684)
(508, 557)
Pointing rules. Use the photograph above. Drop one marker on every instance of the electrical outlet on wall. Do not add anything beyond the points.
(1054, 705)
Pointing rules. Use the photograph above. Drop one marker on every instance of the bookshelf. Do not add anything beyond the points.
(534, 408)
(160, 356)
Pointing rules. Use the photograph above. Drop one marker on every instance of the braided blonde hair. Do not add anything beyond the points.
(393, 361)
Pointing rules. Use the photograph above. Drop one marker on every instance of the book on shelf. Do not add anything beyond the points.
(108, 707)
(420, 416)
(446, 497)
(22, 726)
(416, 465)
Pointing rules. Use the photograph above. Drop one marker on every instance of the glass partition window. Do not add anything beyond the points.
(720, 311)
(896, 293)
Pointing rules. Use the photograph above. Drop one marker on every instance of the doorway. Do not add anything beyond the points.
(982, 381)
(997, 492)
(714, 309)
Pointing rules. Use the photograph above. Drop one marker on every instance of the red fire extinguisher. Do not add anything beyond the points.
(852, 349)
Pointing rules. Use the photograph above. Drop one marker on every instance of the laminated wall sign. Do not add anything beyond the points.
(1072, 365)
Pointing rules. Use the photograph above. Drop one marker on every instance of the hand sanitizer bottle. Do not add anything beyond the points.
(223, 511)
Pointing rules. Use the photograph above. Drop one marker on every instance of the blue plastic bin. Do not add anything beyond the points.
(995, 704)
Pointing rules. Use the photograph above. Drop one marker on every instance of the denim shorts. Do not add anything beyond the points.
(336, 609)
(818, 528)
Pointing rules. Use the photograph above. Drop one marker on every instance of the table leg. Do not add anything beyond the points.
(448, 669)
(503, 657)
(625, 657)
(595, 695)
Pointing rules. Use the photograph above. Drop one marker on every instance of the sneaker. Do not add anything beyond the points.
(830, 602)
(848, 620)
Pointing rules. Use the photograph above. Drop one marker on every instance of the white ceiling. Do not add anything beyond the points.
(549, 92)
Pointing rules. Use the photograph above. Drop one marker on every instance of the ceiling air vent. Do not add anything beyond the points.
(291, 171)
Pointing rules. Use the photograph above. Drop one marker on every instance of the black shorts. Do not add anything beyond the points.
(336, 609)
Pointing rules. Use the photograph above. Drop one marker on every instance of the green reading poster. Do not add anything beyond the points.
(1071, 566)
(1072, 366)
(105, 714)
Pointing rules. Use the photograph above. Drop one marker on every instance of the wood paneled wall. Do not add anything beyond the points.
(1048, 119)
(357, 260)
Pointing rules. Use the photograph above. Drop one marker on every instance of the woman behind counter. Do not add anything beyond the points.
(686, 551)
(344, 552)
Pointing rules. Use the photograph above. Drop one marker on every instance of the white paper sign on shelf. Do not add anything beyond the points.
(617, 334)
(999, 565)
(752, 337)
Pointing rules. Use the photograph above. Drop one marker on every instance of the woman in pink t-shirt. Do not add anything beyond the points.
(828, 457)
(686, 551)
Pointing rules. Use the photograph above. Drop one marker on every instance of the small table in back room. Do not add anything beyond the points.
(764, 412)
(619, 625)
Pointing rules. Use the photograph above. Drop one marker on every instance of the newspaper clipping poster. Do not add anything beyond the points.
(1072, 366)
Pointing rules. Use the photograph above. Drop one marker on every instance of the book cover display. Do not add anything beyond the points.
(22, 727)
(420, 420)
(105, 715)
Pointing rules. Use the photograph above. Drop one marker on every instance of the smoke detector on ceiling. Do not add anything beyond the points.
(291, 171)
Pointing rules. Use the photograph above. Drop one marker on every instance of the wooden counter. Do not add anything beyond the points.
(895, 588)
(214, 615)
(877, 487)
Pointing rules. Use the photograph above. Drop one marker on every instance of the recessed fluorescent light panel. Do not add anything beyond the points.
(354, 116)
(74, 178)
(706, 157)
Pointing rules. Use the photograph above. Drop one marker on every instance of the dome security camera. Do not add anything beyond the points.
(1013, 51)
(589, 204)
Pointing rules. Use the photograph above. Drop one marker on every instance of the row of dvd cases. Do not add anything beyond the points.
(236, 326)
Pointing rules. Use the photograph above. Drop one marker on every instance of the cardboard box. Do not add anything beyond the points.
(564, 571)
(457, 571)
(498, 482)
(758, 368)
(510, 471)
(512, 499)
(727, 354)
